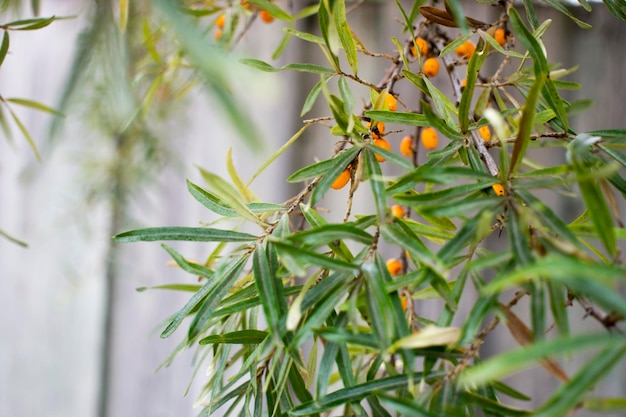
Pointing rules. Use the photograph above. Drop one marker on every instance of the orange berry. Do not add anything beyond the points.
(498, 189)
(429, 138)
(405, 302)
(391, 102)
(466, 49)
(422, 44)
(431, 67)
(341, 180)
(218, 34)
(381, 143)
(406, 146)
(397, 211)
(463, 83)
(500, 36)
(485, 132)
(378, 130)
(266, 16)
(220, 21)
(394, 266)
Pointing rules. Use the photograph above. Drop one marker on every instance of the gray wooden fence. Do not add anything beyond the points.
(51, 293)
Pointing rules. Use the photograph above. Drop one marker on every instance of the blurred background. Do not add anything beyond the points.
(76, 338)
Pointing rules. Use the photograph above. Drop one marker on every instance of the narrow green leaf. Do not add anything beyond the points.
(190, 234)
(4, 48)
(569, 394)
(310, 68)
(491, 406)
(345, 34)
(188, 307)
(443, 175)
(26, 134)
(172, 287)
(32, 24)
(558, 306)
(550, 220)
(406, 119)
(598, 208)
(185, 265)
(525, 357)
(379, 305)
(376, 181)
(518, 236)
(244, 191)
(264, 66)
(229, 194)
(13, 239)
(311, 98)
(328, 357)
(324, 234)
(464, 207)
(305, 36)
(317, 259)
(595, 281)
(529, 41)
(526, 125)
(561, 8)
(433, 198)
(473, 68)
(241, 337)
(209, 200)
(270, 288)
(609, 133)
(224, 278)
(357, 393)
(406, 407)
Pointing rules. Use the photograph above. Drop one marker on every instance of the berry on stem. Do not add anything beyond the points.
(498, 189)
(341, 180)
(431, 67)
(378, 130)
(266, 16)
(406, 146)
(466, 49)
(381, 143)
(220, 21)
(485, 132)
(394, 266)
(422, 44)
(397, 210)
(429, 138)
(390, 102)
(500, 36)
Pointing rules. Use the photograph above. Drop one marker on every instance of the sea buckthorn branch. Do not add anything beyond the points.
(555, 135)
(472, 351)
(608, 320)
(476, 140)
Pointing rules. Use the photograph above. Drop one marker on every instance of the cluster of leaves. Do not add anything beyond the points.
(304, 317)
(6, 103)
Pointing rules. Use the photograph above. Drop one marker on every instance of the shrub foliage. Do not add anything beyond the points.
(297, 315)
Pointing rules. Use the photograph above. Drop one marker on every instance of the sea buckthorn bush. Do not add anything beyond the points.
(301, 315)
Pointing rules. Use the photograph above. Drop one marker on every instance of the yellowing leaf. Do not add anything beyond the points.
(428, 336)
